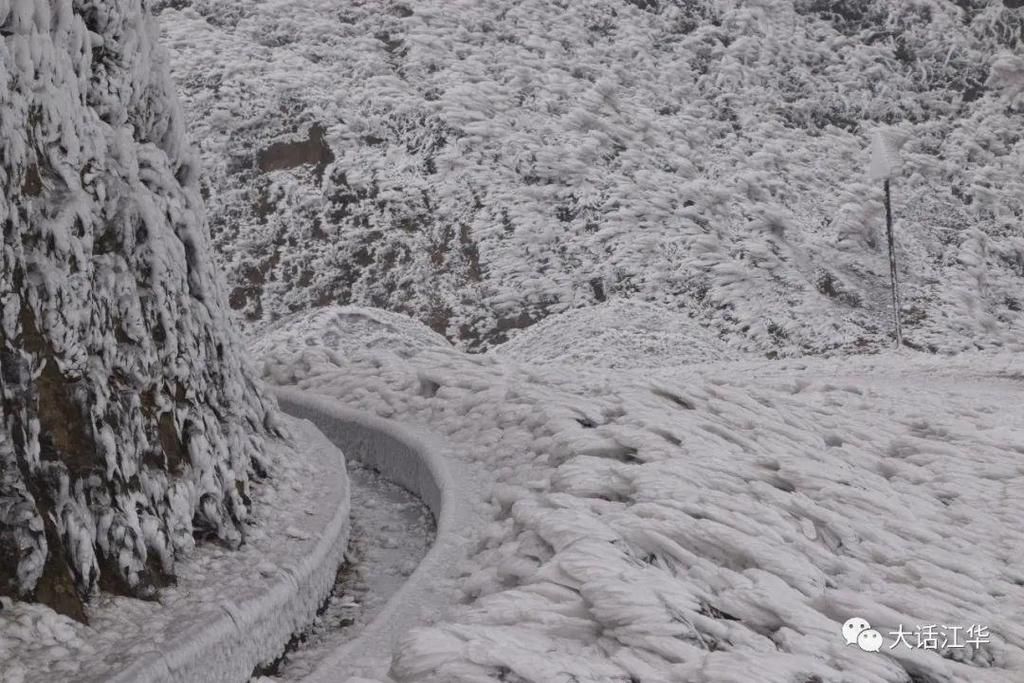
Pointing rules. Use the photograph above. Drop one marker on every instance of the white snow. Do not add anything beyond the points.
(716, 522)
(652, 189)
(230, 609)
(116, 345)
(496, 163)
(620, 334)
(349, 330)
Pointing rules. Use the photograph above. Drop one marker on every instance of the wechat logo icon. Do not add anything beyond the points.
(857, 631)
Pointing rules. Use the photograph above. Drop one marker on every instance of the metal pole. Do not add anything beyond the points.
(892, 266)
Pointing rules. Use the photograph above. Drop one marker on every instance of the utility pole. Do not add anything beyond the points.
(885, 162)
(893, 278)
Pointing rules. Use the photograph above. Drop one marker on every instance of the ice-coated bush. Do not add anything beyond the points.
(496, 163)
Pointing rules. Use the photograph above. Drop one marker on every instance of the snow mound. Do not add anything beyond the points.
(326, 336)
(619, 334)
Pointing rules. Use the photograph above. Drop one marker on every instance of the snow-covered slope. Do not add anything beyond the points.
(620, 333)
(481, 164)
(131, 425)
(334, 333)
(719, 523)
(348, 330)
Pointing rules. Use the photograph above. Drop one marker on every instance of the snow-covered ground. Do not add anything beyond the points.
(229, 610)
(616, 202)
(716, 522)
(454, 490)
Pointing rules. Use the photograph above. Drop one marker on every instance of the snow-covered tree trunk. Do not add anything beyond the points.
(130, 425)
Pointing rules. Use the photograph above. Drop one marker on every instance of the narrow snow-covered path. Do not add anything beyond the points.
(419, 462)
(392, 530)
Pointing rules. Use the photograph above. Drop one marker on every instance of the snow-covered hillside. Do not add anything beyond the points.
(716, 523)
(556, 243)
(619, 333)
(130, 426)
(349, 330)
(481, 164)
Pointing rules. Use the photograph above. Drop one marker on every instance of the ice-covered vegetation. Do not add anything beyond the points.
(640, 183)
(230, 610)
(130, 425)
(619, 333)
(349, 330)
(715, 523)
(484, 164)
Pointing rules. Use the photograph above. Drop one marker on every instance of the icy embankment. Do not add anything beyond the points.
(715, 523)
(230, 611)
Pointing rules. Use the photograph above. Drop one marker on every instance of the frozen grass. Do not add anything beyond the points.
(491, 164)
(717, 522)
(619, 334)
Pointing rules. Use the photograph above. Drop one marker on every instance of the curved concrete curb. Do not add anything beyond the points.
(413, 460)
(226, 641)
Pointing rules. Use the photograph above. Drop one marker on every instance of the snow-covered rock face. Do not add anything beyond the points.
(129, 421)
(491, 164)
